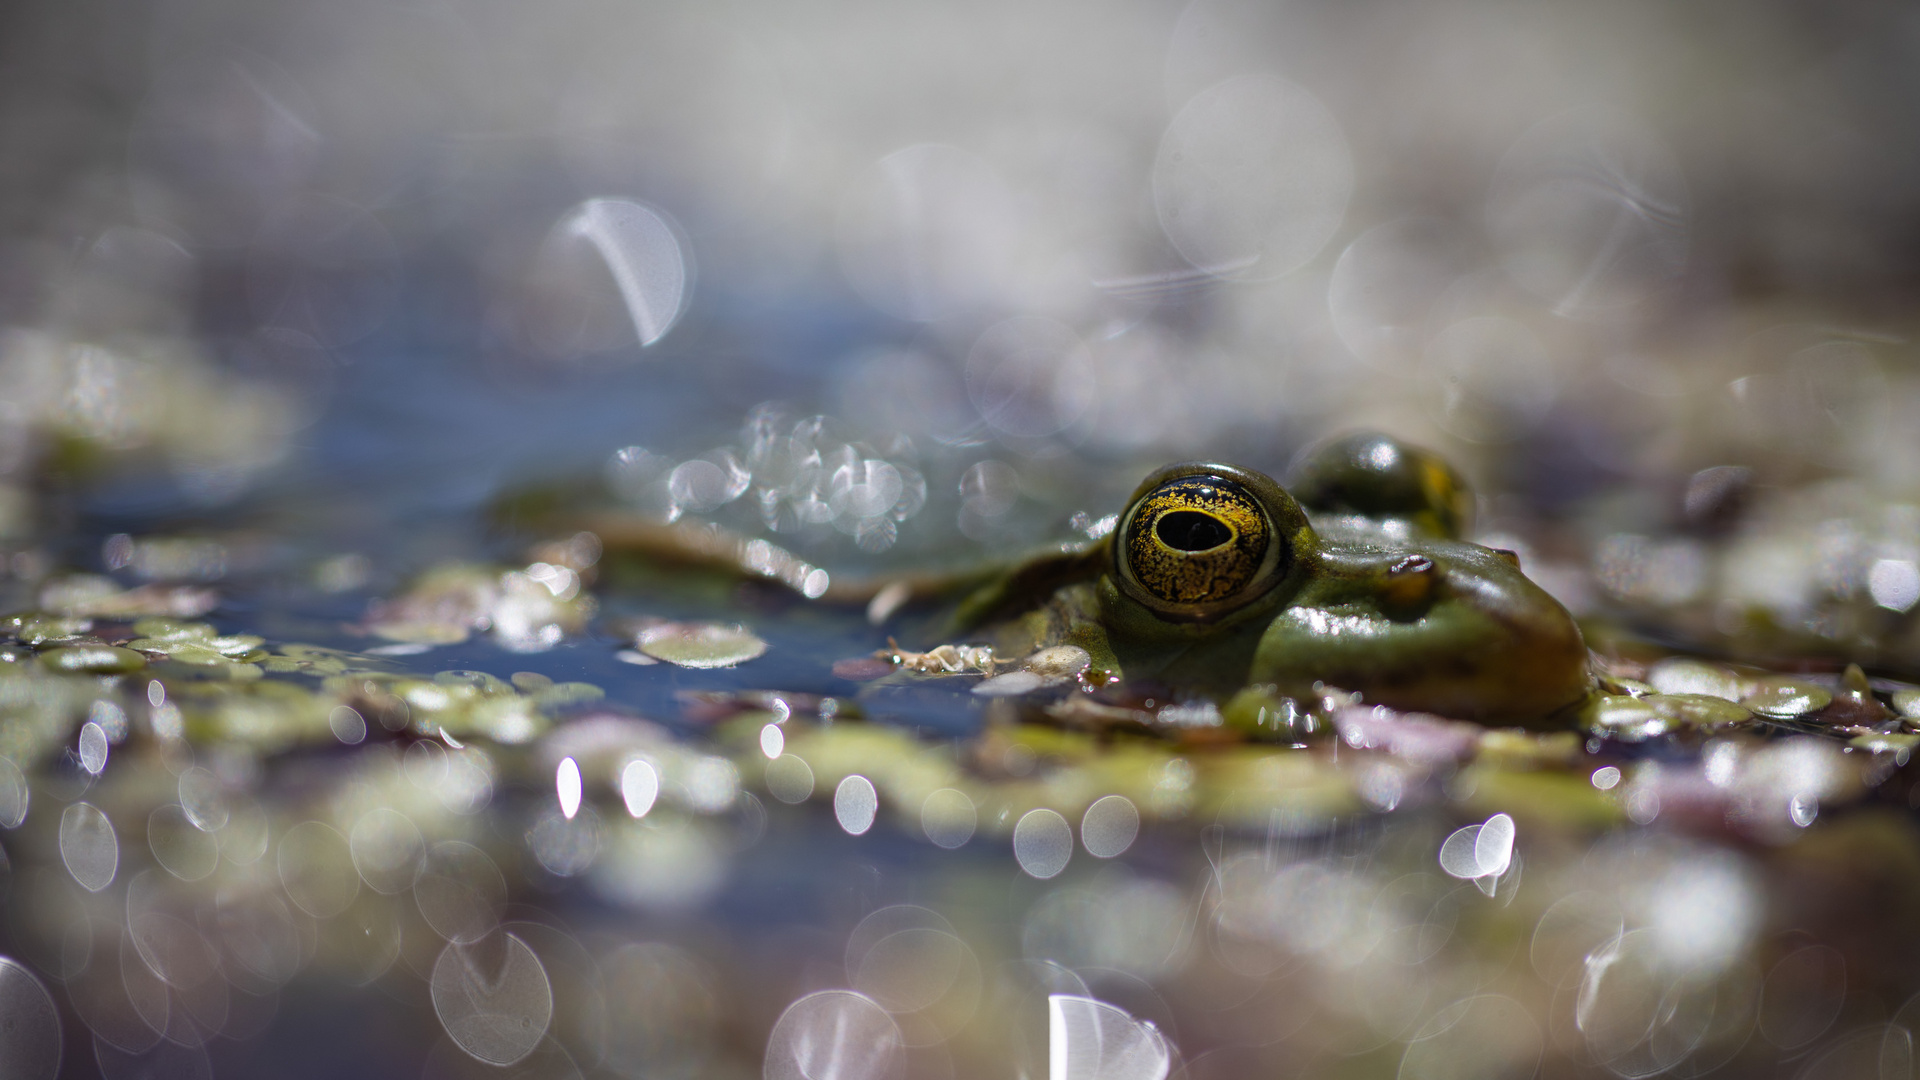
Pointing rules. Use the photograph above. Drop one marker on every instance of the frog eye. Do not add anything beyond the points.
(1378, 476)
(1200, 540)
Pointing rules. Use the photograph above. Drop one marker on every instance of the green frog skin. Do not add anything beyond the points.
(1216, 578)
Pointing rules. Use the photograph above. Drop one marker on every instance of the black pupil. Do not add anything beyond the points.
(1189, 530)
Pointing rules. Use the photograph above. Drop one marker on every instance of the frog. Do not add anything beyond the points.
(1354, 576)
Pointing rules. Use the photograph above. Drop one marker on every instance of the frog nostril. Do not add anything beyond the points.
(1192, 531)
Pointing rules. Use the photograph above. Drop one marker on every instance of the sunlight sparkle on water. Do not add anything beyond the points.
(566, 781)
(639, 787)
(1042, 843)
(88, 846)
(1479, 851)
(93, 748)
(833, 1033)
(854, 804)
(1109, 826)
(1092, 1039)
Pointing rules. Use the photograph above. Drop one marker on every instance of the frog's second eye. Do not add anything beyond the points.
(1378, 476)
(1197, 545)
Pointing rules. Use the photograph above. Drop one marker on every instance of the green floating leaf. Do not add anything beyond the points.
(36, 627)
(1706, 712)
(701, 645)
(92, 660)
(158, 629)
(560, 695)
(1784, 698)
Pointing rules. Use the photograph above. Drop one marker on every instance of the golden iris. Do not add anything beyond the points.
(1196, 540)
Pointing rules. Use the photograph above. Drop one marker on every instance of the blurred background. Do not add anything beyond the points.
(421, 252)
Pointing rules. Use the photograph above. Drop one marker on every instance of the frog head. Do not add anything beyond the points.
(1219, 578)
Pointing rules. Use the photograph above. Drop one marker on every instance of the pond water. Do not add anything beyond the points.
(484, 495)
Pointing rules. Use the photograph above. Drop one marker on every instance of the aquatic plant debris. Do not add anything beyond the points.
(1073, 782)
(525, 610)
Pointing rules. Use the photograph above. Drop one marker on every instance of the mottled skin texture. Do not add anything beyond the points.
(1378, 605)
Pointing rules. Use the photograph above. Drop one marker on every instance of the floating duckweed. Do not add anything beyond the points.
(38, 628)
(1253, 787)
(1784, 698)
(1899, 744)
(160, 629)
(1626, 718)
(181, 652)
(528, 682)
(510, 721)
(1262, 710)
(1680, 675)
(1907, 703)
(92, 660)
(561, 695)
(197, 644)
(701, 645)
(312, 660)
(91, 594)
(1620, 685)
(1705, 712)
(1511, 749)
(1568, 799)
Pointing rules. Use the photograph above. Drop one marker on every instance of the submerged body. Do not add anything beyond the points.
(1216, 579)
